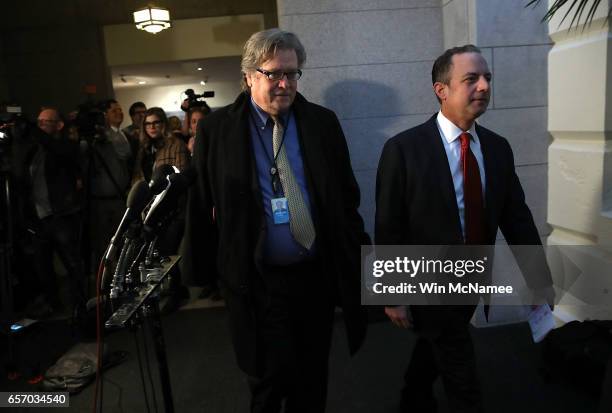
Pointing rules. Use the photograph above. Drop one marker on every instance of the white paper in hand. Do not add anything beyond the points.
(541, 322)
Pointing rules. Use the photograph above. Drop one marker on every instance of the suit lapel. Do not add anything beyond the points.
(488, 157)
(310, 138)
(440, 165)
(240, 159)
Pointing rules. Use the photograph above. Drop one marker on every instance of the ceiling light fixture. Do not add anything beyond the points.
(142, 82)
(152, 19)
(202, 82)
(200, 69)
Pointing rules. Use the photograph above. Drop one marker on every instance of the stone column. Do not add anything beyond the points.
(580, 156)
(369, 61)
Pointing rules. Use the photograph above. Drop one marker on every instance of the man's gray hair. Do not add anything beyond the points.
(262, 46)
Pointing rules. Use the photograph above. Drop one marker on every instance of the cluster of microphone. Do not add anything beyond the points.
(149, 206)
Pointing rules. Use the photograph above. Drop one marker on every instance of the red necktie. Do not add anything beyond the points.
(472, 195)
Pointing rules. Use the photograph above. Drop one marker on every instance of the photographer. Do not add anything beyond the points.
(49, 191)
(195, 110)
(193, 117)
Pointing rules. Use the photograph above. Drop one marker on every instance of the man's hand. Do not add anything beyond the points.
(399, 316)
(185, 105)
(544, 295)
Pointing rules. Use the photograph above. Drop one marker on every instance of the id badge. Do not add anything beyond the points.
(280, 212)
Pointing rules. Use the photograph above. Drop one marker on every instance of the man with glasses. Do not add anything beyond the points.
(281, 272)
(136, 111)
(49, 188)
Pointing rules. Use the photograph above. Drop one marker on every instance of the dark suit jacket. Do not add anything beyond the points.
(227, 179)
(61, 173)
(416, 202)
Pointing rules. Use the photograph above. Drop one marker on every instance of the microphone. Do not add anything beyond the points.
(165, 202)
(158, 179)
(138, 198)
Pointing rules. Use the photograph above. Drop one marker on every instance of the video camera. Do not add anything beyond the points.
(13, 125)
(195, 100)
(90, 121)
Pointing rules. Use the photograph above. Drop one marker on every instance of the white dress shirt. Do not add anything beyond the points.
(450, 134)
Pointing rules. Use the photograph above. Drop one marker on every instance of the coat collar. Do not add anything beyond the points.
(310, 136)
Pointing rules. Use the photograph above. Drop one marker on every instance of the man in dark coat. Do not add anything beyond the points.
(450, 181)
(282, 274)
(49, 187)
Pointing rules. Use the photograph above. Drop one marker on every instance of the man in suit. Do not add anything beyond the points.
(450, 181)
(281, 276)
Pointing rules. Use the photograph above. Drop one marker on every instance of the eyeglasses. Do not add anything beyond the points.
(276, 76)
(154, 123)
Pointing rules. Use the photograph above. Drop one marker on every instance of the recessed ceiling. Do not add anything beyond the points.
(214, 70)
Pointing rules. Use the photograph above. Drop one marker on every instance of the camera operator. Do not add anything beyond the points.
(111, 164)
(193, 117)
(49, 191)
(194, 105)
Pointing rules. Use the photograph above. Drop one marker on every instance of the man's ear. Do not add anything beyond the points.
(248, 78)
(60, 125)
(440, 89)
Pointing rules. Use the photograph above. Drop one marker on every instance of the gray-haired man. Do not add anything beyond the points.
(282, 274)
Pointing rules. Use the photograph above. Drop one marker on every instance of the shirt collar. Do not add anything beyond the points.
(115, 129)
(264, 116)
(450, 131)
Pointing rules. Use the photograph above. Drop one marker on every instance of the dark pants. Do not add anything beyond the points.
(60, 234)
(443, 349)
(104, 218)
(295, 318)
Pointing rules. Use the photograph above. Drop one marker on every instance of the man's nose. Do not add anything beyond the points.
(283, 83)
(484, 84)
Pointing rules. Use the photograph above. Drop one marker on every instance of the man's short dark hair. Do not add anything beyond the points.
(105, 105)
(135, 106)
(204, 110)
(442, 65)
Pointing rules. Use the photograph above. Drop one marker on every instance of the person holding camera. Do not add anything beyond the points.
(193, 117)
(49, 191)
(195, 110)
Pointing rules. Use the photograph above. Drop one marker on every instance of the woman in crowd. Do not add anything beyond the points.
(158, 146)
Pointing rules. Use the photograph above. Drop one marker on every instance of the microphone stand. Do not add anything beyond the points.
(136, 286)
(139, 302)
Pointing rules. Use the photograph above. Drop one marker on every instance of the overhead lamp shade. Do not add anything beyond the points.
(152, 19)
